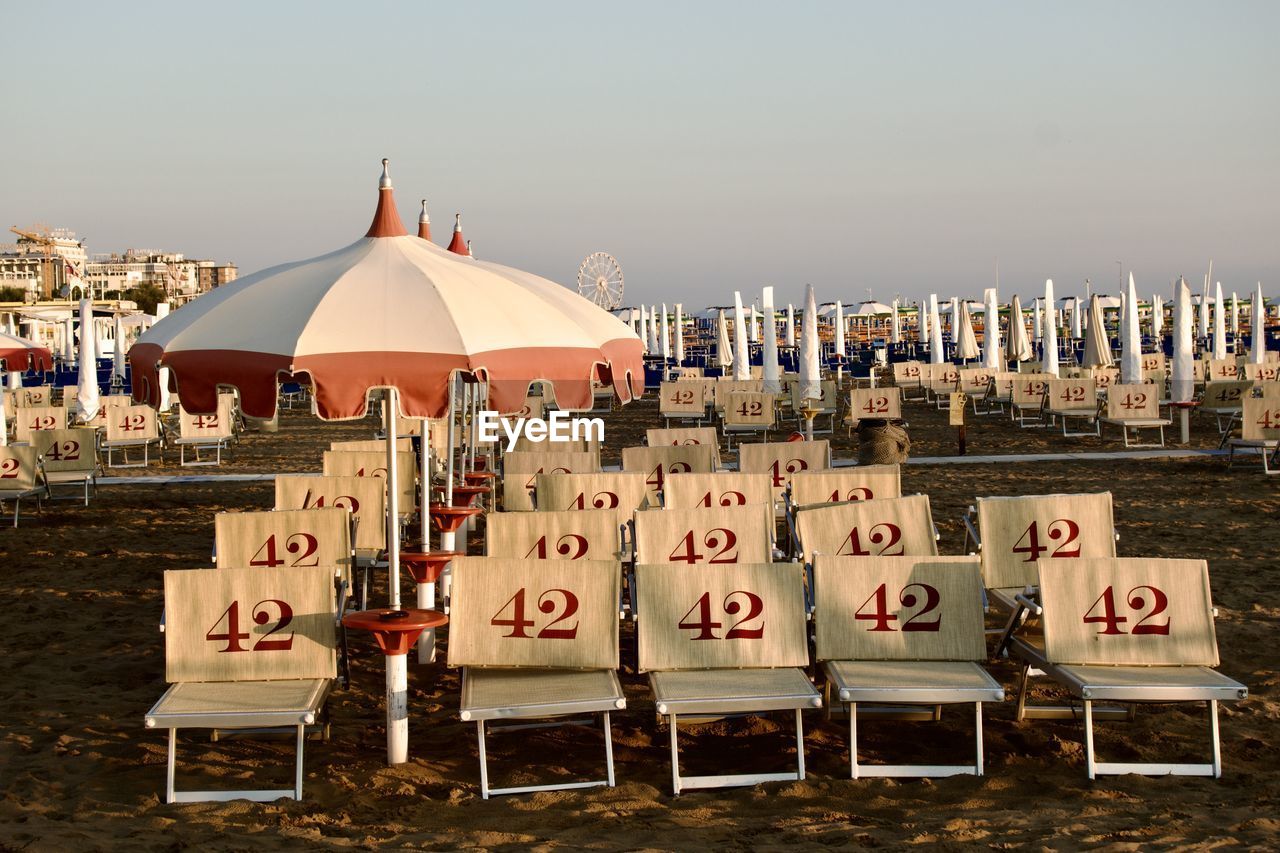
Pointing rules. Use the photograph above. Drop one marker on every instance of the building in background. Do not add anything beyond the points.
(43, 262)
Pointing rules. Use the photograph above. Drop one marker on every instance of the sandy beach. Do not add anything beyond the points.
(85, 661)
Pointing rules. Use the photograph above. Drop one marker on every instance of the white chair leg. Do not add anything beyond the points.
(297, 776)
(977, 719)
(1088, 739)
(608, 747)
(173, 747)
(675, 757)
(1213, 731)
(799, 745)
(853, 740)
(484, 761)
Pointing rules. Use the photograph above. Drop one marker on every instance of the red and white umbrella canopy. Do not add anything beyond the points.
(19, 355)
(390, 310)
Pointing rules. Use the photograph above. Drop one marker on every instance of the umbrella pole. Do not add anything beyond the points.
(397, 665)
(424, 493)
(393, 508)
(447, 539)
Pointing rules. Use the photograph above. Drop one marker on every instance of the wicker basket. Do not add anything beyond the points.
(882, 443)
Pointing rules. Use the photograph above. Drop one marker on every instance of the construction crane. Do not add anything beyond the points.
(47, 243)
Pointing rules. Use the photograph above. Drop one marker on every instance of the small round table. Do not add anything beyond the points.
(426, 567)
(395, 631)
(447, 519)
(1184, 408)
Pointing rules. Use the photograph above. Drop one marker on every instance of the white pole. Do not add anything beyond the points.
(393, 508)
(424, 478)
(447, 539)
(397, 709)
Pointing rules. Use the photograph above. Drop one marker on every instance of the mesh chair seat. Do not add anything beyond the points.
(926, 682)
(489, 694)
(1147, 683)
(721, 691)
(1138, 422)
(239, 704)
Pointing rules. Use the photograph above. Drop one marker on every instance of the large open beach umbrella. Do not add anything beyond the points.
(1258, 327)
(1131, 339)
(810, 366)
(935, 331)
(1097, 349)
(395, 312)
(741, 347)
(771, 374)
(991, 332)
(1049, 353)
(1019, 345)
(1219, 323)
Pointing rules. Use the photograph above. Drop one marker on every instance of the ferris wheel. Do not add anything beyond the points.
(600, 280)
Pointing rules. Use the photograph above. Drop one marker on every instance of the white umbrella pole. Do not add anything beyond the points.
(424, 496)
(397, 665)
(393, 503)
(447, 539)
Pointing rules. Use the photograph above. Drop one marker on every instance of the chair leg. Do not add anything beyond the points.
(675, 757)
(853, 740)
(800, 745)
(169, 772)
(297, 776)
(1213, 733)
(1088, 739)
(608, 747)
(484, 761)
(977, 720)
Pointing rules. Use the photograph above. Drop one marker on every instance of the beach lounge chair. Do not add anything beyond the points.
(684, 400)
(726, 488)
(1073, 399)
(1225, 400)
(904, 631)
(1267, 371)
(536, 641)
(245, 649)
(719, 535)
(723, 387)
(33, 419)
(724, 640)
(751, 412)
(131, 427)
(592, 534)
(1026, 400)
(21, 476)
(673, 436)
(1260, 431)
(940, 380)
(365, 498)
(1136, 630)
(623, 492)
(288, 538)
(205, 432)
(659, 463)
(373, 463)
(69, 458)
(907, 376)
(1223, 369)
(975, 382)
(1135, 407)
(520, 469)
(826, 404)
(873, 404)
(782, 459)
(885, 527)
(860, 483)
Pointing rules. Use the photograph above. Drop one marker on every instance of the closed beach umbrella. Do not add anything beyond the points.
(935, 331)
(1219, 323)
(86, 407)
(654, 347)
(68, 340)
(724, 352)
(1077, 319)
(771, 375)
(1235, 313)
(1097, 349)
(1202, 328)
(1157, 318)
(1036, 331)
(1019, 344)
(1049, 356)
(1257, 327)
(679, 333)
(1182, 382)
(991, 332)
(922, 324)
(117, 355)
(839, 335)
(967, 341)
(791, 325)
(810, 366)
(1131, 339)
(742, 351)
(895, 329)
(644, 328)
(665, 342)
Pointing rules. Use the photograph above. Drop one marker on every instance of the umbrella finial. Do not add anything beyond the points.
(424, 222)
(470, 254)
(386, 219)
(458, 245)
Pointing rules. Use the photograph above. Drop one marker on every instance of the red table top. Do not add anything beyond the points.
(395, 634)
(479, 475)
(450, 518)
(426, 566)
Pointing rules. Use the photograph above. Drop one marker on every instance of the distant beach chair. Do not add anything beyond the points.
(660, 462)
(684, 400)
(906, 631)
(873, 404)
(782, 460)
(826, 404)
(373, 464)
(975, 382)
(21, 477)
(859, 483)
(245, 649)
(750, 412)
(1268, 371)
(592, 534)
(536, 641)
(1026, 400)
(885, 527)
(1135, 630)
(907, 376)
(724, 488)
(1073, 399)
(205, 432)
(69, 457)
(32, 419)
(622, 492)
(673, 436)
(131, 427)
(751, 619)
(1260, 431)
(1225, 401)
(940, 380)
(365, 498)
(520, 469)
(1135, 407)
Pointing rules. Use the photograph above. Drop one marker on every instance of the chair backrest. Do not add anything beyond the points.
(512, 613)
(581, 444)
(889, 527)
(373, 463)
(1133, 402)
(1268, 371)
(1073, 395)
(620, 491)
(726, 488)
(877, 403)
(721, 390)
(364, 497)
(591, 534)
(976, 381)
(742, 534)
(686, 372)
(19, 471)
(211, 426)
(1260, 419)
(860, 483)
(1226, 396)
(898, 608)
(1029, 390)
(1130, 611)
(36, 396)
(684, 398)
(1105, 377)
(286, 538)
(673, 436)
(249, 625)
(942, 377)
(1003, 382)
(1223, 369)
(1152, 362)
(521, 467)
(132, 423)
(658, 463)
(748, 616)
(749, 408)
(1018, 531)
(37, 419)
(67, 449)
(781, 459)
(372, 445)
(1269, 390)
(906, 374)
(407, 426)
(825, 402)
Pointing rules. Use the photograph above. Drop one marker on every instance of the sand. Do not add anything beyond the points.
(84, 661)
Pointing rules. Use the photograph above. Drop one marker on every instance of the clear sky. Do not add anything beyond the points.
(902, 147)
